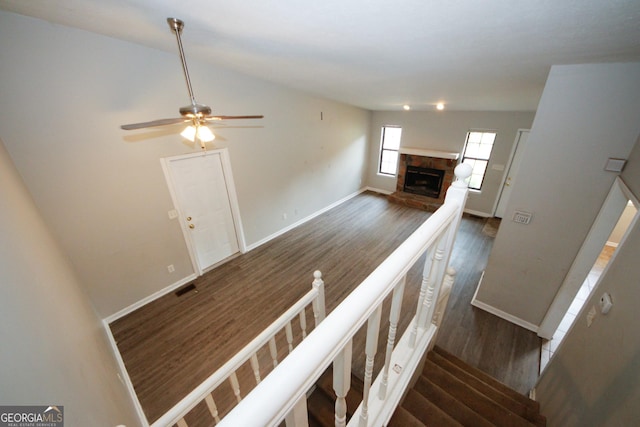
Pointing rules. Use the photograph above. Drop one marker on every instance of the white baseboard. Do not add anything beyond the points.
(124, 376)
(501, 314)
(478, 213)
(379, 190)
(303, 220)
(146, 300)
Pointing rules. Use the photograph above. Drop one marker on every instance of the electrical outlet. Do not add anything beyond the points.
(173, 214)
(171, 268)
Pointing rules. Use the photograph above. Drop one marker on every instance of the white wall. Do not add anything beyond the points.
(54, 350)
(594, 376)
(65, 92)
(587, 114)
(447, 131)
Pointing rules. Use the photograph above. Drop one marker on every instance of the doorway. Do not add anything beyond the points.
(618, 215)
(202, 190)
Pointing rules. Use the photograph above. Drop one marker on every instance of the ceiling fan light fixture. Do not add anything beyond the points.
(189, 133)
(204, 134)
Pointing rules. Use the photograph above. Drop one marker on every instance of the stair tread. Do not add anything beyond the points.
(488, 379)
(403, 418)
(498, 396)
(426, 412)
(455, 408)
(472, 398)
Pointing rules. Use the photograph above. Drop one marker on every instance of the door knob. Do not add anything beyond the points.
(188, 218)
(192, 226)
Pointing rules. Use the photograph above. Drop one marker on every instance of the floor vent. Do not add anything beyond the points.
(185, 289)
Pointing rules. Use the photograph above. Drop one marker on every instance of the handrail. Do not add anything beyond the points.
(180, 409)
(301, 369)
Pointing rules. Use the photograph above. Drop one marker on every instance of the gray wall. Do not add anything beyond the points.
(594, 376)
(446, 131)
(102, 191)
(54, 350)
(587, 114)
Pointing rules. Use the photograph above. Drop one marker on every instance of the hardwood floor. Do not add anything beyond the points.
(172, 344)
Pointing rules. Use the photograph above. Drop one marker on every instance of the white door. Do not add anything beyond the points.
(201, 194)
(512, 173)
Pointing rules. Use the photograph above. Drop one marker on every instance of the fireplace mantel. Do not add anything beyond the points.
(429, 153)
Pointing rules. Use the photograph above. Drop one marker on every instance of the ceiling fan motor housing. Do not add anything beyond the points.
(195, 110)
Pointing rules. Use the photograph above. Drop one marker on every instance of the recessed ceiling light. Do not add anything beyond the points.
(406, 107)
(440, 106)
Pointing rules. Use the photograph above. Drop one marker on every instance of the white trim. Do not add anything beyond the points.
(377, 190)
(611, 244)
(146, 300)
(429, 153)
(507, 167)
(124, 376)
(302, 221)
(478, 213)
(502, 314)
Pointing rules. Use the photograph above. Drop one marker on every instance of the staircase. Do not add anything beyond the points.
(448, 393)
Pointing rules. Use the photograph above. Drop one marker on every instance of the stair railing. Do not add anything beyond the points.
(282, 394)
(315, 298)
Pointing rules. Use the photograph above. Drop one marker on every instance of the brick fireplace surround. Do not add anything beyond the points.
(443, 160)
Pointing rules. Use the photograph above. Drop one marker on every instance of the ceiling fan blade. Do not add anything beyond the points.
(232, 117)
(153, 123)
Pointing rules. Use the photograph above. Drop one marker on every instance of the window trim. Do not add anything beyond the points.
(488, 159)
(382, 150)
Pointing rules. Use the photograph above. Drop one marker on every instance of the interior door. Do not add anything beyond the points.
(201, 194)
(514, 166)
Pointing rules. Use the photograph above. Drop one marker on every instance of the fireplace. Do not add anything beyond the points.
(423, 181)
(423, 177)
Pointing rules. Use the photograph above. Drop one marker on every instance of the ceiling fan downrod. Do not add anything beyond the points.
(194, 109)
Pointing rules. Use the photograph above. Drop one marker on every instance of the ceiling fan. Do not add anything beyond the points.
(197, 115)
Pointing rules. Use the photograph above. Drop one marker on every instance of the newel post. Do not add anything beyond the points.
(319, 309)
(457, 193)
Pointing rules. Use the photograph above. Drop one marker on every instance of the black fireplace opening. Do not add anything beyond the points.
(423, 181)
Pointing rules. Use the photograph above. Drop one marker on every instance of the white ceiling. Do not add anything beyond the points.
(376, 54)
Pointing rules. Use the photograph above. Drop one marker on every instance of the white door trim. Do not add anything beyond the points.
(507, 168)
(233, 200)
(609, 214)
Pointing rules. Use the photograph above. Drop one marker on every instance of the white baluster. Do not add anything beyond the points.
(423, 290)
(274, 351)
(394, 317)
(441, 305)
(373, 329)
(319, 309)
(298, 417)
(235, 386)
(289, 333)
(182, 423)
(342, 383)
(303, 323)
(213, 409)
(255, 366)
(434, 283)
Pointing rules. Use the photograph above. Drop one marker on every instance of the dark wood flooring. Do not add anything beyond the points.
(172, 344)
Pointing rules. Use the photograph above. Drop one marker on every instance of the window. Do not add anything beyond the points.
(389, 146)
(476, 153)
